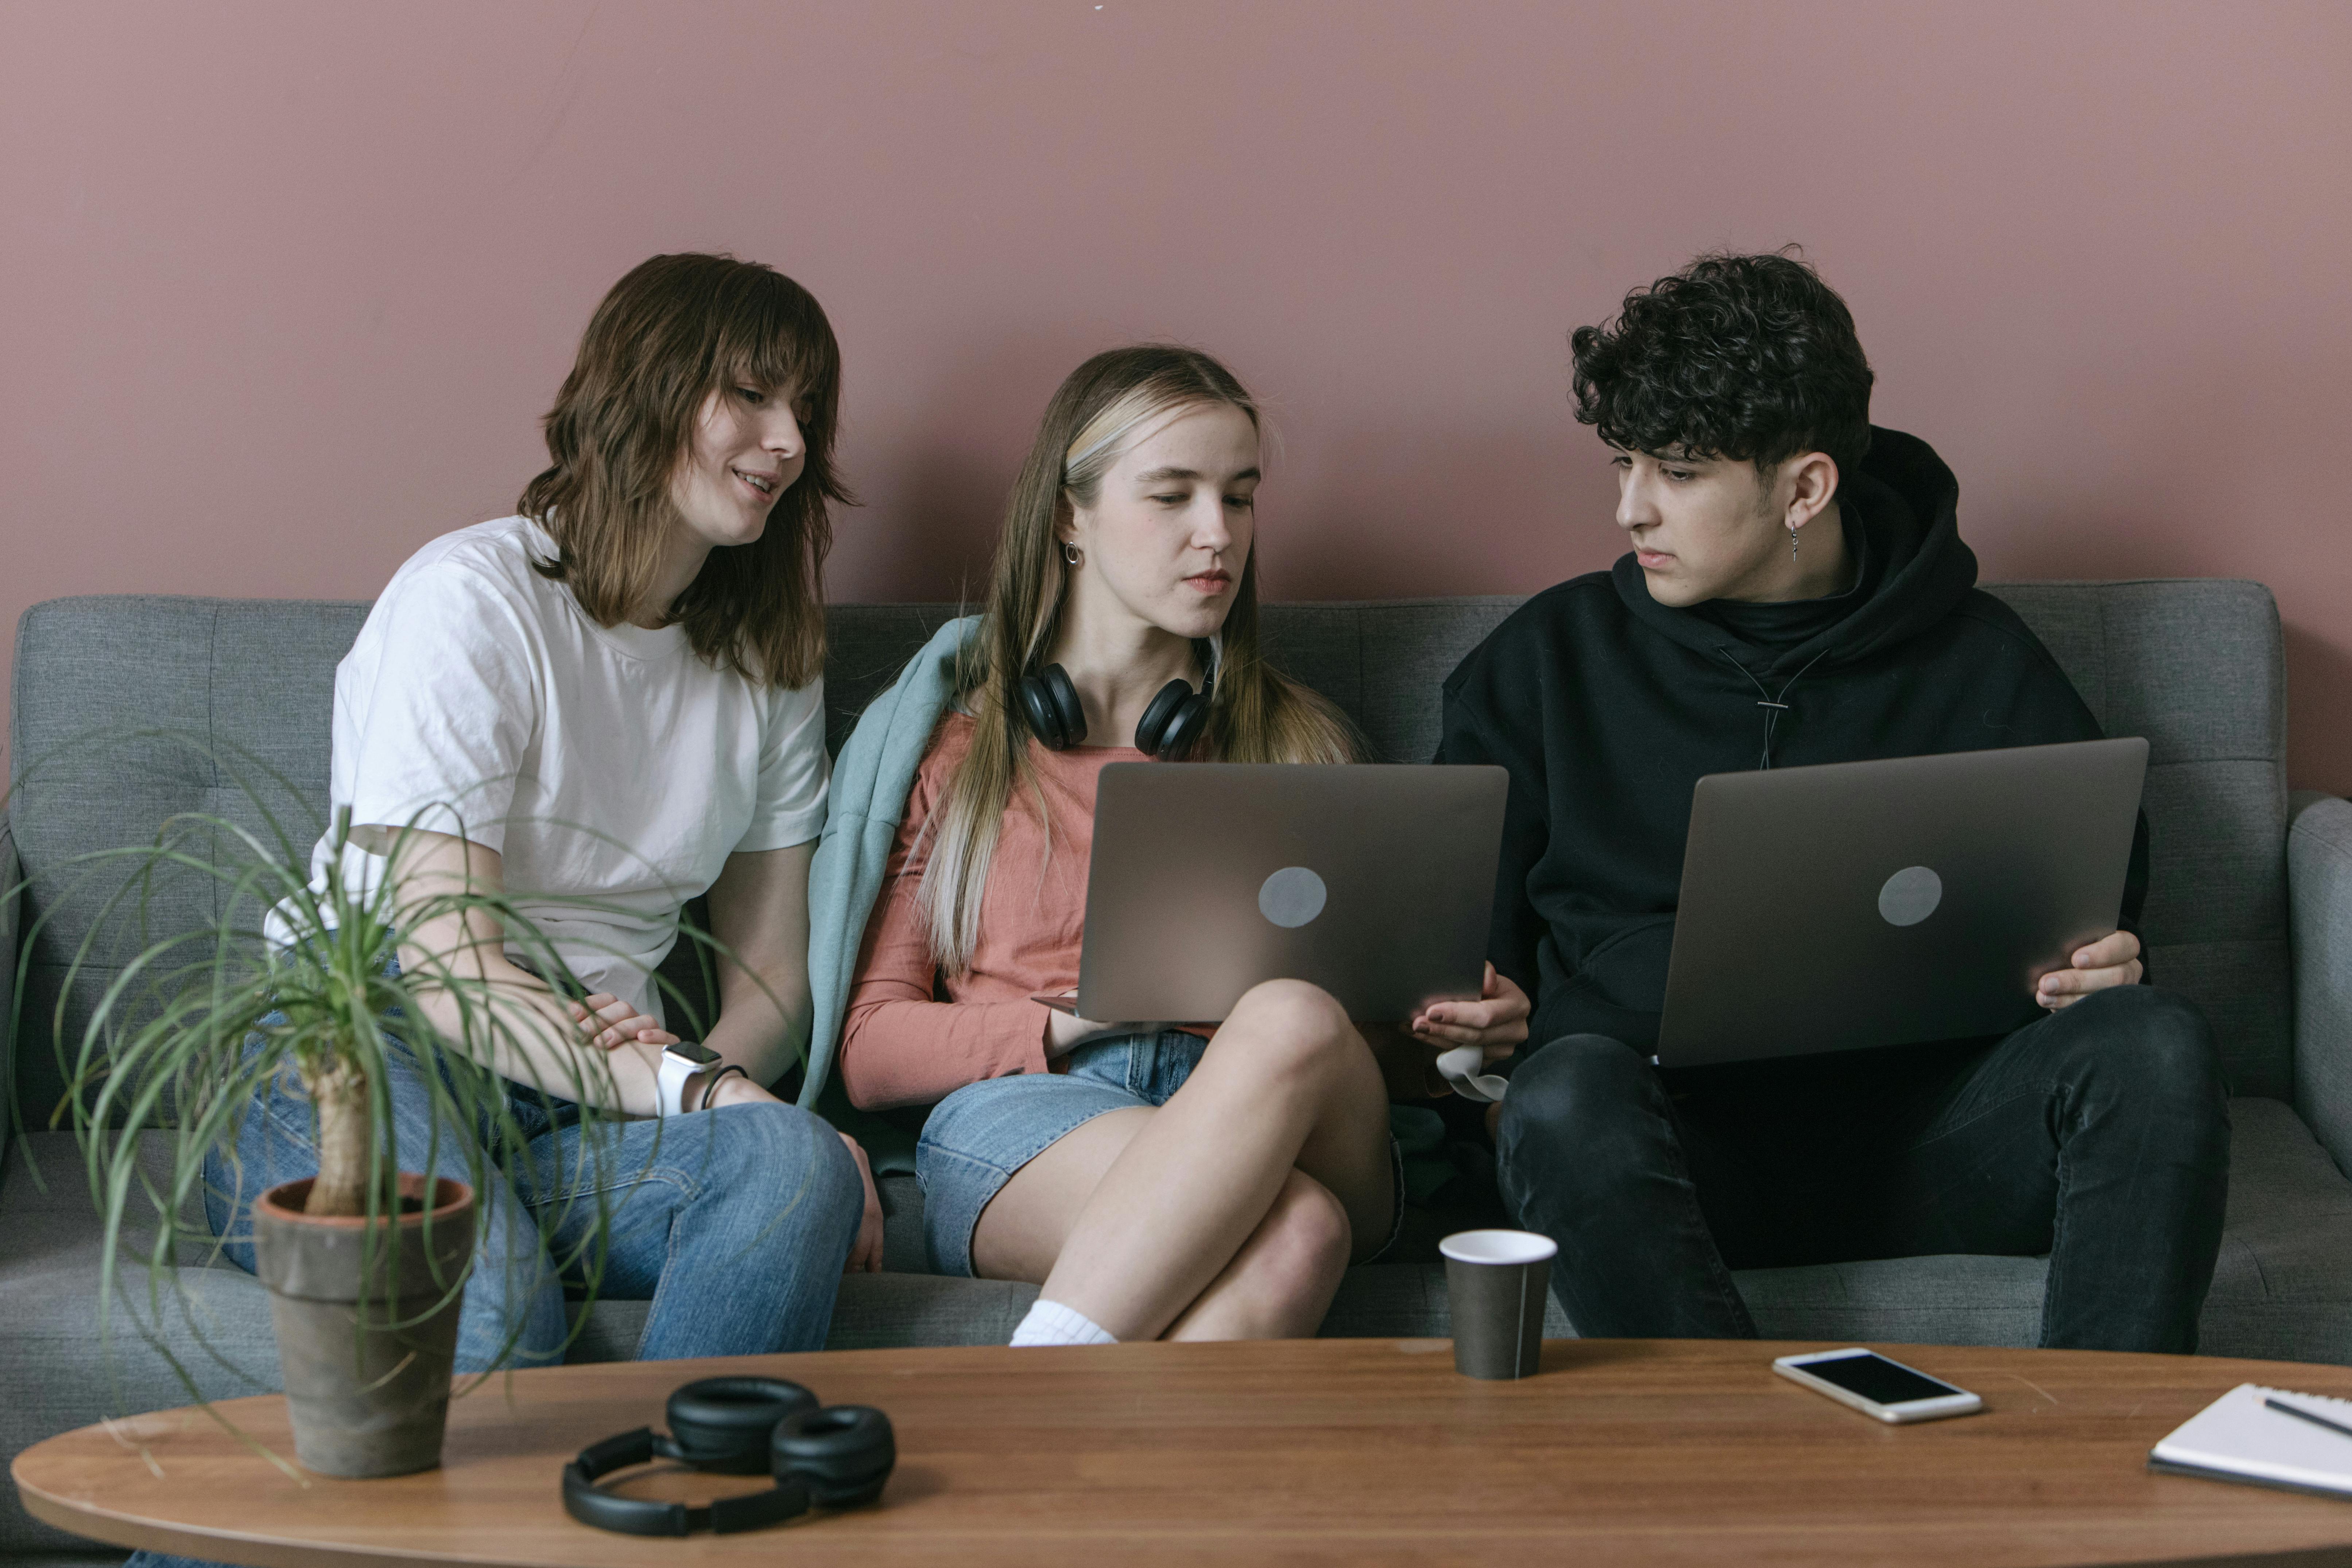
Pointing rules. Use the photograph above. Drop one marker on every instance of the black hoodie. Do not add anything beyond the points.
(1607, 707)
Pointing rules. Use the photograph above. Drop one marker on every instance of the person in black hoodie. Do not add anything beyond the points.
(1798, 593)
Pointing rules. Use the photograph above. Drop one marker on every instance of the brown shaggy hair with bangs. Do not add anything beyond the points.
(672, 332)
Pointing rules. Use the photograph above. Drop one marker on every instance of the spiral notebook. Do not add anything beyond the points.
(2239, 1438)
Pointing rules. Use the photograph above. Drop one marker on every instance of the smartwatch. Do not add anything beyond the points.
(678, 1063)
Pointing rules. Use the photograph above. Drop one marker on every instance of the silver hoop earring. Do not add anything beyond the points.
(1792, 541)
(1073, 556)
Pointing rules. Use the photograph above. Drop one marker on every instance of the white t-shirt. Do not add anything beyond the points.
(599, 762)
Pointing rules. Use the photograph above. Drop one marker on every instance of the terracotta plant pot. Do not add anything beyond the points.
(365, 1355)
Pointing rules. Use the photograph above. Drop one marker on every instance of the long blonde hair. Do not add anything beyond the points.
(1256, 714)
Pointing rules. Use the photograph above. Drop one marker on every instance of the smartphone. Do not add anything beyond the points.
(1877, 1386)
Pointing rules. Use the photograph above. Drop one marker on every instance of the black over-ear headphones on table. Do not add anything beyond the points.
(837, 1456)
(1171, 724)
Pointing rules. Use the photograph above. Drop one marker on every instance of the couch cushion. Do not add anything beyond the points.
(874, 1311)
(2282, 1287)
(130, 710)
(55, 1372)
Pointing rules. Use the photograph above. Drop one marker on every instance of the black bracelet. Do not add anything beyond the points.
(711, 1088)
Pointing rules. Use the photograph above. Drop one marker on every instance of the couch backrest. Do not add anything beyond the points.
(128, 709)
(2196, 665)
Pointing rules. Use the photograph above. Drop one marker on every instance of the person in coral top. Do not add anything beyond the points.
(1191, 1183)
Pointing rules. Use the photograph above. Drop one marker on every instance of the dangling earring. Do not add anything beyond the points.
(1073, 556)
(1792, 541)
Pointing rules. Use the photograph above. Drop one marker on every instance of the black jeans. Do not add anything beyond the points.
(2099, 1135)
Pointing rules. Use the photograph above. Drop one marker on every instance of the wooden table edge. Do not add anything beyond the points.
(112, 1527)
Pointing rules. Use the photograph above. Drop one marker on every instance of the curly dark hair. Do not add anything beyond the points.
(1752, 358)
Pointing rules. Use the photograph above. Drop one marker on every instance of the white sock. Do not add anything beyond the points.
(1051, 1323)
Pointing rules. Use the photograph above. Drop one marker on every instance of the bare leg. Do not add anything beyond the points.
(1278, 1286)
(1281, 1282)
(1022, 1230)
(1166, 1200)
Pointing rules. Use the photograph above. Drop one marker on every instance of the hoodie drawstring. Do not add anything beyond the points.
(1773, 706)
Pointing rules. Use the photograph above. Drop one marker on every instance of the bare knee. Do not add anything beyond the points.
(1304, 1243)
(1289, 1027)
(1290, 1007)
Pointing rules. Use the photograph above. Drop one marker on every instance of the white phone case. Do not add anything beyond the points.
(1959, 1401)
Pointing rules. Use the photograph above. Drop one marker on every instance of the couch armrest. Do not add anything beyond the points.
(2319, 922)
(9, 903)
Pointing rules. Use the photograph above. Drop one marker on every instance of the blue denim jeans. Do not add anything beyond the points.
(975, 1139)
(735, 1222)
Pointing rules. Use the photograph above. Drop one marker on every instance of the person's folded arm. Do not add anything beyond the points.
(916, 1053)
(759, 914)
(523, 1029)
(899, 1046)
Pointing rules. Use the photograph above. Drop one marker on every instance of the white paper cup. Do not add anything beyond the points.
(1495, 1285)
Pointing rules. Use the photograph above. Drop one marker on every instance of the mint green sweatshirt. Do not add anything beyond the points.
(871, 781)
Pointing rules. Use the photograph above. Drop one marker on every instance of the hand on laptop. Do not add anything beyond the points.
(2113, 960)
(1496, 1023)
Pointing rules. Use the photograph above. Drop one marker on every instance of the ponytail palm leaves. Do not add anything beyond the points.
(292, 976)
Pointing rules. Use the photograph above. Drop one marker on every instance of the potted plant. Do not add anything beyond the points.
(366, 1264)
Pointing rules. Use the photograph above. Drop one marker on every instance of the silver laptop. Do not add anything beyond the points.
(1855, 904)
(1376, 883)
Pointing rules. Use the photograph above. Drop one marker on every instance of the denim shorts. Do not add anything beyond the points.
(977, 1137)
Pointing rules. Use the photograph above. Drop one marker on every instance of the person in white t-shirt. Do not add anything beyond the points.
(605, 707)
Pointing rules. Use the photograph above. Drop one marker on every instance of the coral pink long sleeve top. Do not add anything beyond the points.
(901, 1042)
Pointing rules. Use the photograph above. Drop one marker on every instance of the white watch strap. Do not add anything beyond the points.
(674, 1073)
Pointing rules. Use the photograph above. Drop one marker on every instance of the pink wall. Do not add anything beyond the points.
(288, 284)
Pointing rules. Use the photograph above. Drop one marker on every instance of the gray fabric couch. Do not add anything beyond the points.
(2250, 913)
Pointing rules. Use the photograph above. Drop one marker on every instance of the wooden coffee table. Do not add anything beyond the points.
(1343, 1451)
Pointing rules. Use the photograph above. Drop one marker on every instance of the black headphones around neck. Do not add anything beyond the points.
(1172, 721)
(837, 1456)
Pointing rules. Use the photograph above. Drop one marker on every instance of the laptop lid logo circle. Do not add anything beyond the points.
(1292, 897)
(1910, 896)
